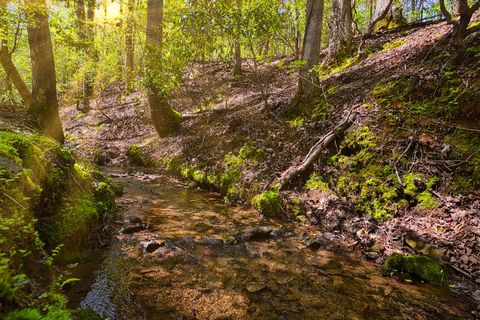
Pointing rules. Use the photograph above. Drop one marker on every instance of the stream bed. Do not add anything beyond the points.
(200, 259)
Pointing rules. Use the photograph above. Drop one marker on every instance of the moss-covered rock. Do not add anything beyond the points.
(136, 155)
(420, 268)
(268, 203)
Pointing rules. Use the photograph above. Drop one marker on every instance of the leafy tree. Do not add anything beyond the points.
(44, 106)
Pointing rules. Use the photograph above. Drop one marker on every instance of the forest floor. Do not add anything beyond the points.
(223, 114)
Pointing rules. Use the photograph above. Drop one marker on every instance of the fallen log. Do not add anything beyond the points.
(294, 171)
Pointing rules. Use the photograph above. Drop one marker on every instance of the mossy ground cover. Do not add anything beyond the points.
(415, 267)
(50, 206)
(365, 173)
(228, 181)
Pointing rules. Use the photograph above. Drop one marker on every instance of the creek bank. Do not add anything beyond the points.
(53, 209)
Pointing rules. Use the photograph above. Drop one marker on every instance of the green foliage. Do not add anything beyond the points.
(296, 122)
(268, 203)
(314, 183)
(421, 268)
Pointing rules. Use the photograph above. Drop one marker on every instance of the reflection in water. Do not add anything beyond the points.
(199, 273)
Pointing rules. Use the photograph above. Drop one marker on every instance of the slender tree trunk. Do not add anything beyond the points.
(460, 28)
(237, 53)
(91, 53)
(381, 11)
(164, 118)
(444, 10)
(297, 33)
(341, 32)
(80, 11)
(308, 79)
(44, 106)
(13, 75)
(129, 43)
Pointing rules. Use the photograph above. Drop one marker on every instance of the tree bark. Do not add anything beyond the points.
(164, 118)
(80, 12)
(14, 76)
(44, 106)
(129, 43)
(297, 32)
(341, 32)
(237, 53)
(444, 10)
(295, 171)
(308, 79)
(460, 28)
(381, 11)
(91, 53)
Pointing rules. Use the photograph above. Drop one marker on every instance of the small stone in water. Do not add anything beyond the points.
(151, 246)
(132, 220)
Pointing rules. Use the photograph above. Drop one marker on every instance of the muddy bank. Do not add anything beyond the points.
(212, 261)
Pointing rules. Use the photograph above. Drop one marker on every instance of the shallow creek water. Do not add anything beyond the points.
(200, 273)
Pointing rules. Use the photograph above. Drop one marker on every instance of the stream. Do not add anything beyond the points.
(201, 259)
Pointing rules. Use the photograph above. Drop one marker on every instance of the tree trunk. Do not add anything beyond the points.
(14, 76)
(341, 32)
(460, 29)
(165, 119)
(80, 11)
(91, 54)
(381, 11)
(129, 43)
(308, 79)
(44, 106)
(444, 10)
(237, 53)
(297, 33)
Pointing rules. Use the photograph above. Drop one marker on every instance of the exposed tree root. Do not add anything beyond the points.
(294, 171)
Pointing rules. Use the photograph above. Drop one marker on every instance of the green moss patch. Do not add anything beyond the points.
(420, 268)
(367, 176)
(268, 203)
(137, 156)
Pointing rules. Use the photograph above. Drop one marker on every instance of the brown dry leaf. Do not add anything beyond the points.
(428, 140)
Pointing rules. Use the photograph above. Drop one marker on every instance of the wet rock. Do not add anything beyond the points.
(134, 229)
(315, 243)
(255, 287)
(132, 219)
(259, 234)
(151, 246)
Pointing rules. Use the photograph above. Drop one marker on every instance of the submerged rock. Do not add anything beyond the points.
(259, 234)
(421, 268)
(316, 242)
(151, 246)
(132, 219)
(134, 229)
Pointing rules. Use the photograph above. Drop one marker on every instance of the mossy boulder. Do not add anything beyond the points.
(420, 268)
(268, 203)
(137, 156)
